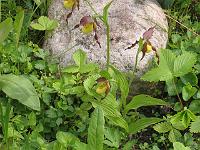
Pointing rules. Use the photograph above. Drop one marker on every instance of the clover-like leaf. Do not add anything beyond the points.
(44, 23)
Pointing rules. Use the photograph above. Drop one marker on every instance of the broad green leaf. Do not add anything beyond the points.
(143, 100)
(186, 119)
(113, 137)
(71, 69)
(20, 88)
(170, 66)
(184, 63)
(164, 71)
(142, 123)
(188, 91)
(79, 57)
(195, 126)
(180, 146)
(18, 24)
(90, 67)
(44, 23)
(5, 28)
(174, 135)
(157, 74)
(194, 106)
(163, 127)
(66, 138)
(190, 78)
(191, 115)
(122, 83)
(167, 59)
(96, 130)
(80, 146)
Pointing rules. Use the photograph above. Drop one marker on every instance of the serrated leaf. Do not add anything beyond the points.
(186, 119)
(18, 23)
(71, 69)
(195, 126)
(194, 106)
(142, 123)
(163, 127)
(89, 84)
(80, 146)
(44, 23)
(113, 137)
(188, 91)
(164, 71)
(180, 146)
(20, 88)
(174, 136)
(190, 78)
(157, 74)
(170, 66)
(5, 28)
(90, 67)
(66, 138)
(96, 130)
(184, 63)
(168, 58)
(79, 57)
(143, 100)
(32, 119)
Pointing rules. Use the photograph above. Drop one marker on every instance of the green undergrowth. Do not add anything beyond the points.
(82, 107)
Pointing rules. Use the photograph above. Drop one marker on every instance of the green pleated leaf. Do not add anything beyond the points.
(174, 136)
(184, 63)
(5, 28)
(96, 130)
(163, 127)
(18, 24)
(143, 100)
(109, 106)
(195, 126)
(122, 83)
(79, 57)
(21, 89)
(157, 74)
(142, 123)
(164, 71)
(170, 66)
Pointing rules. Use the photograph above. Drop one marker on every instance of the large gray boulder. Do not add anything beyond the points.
(129, 19)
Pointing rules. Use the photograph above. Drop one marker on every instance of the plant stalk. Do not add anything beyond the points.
(108, 45)
(182, 107)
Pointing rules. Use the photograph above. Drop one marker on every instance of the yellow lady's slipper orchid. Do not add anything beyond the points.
(149, 48)
(69, 3)
(88, 28)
